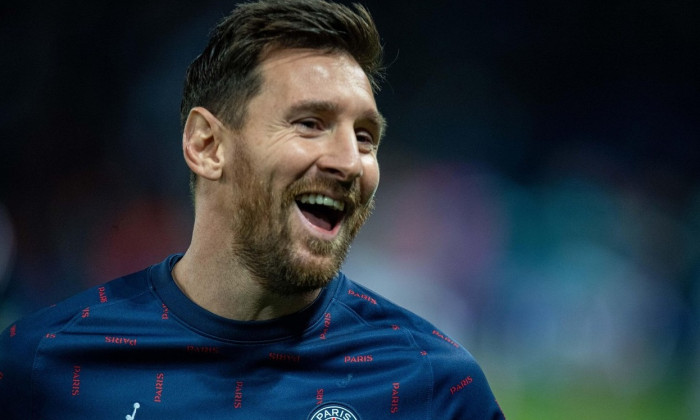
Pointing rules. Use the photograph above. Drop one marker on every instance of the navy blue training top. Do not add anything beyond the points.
(137, 348)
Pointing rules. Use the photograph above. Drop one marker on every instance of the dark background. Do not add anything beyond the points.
(540, 194)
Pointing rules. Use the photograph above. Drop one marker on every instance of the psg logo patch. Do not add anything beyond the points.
(333, 411)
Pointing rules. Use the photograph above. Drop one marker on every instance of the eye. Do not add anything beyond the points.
(366, 141)
(309, 125)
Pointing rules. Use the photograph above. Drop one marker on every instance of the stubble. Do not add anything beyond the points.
(263, 240)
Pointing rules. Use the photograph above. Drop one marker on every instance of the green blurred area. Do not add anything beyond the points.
(588, 399)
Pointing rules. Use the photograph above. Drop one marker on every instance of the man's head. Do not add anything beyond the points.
(225, 76)
(287, 174)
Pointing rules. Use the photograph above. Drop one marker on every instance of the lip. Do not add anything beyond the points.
(326, 235)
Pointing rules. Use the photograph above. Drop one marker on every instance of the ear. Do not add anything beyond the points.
(202, 145)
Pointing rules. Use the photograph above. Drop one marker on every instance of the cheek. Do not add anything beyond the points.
(283, 166)
(370, 179)
(293, 159)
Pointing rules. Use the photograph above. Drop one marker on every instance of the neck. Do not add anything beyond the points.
(217, 282)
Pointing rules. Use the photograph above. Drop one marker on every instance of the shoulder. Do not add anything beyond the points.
(20, 341)
(380, 312)
(53, 318)
(459, 387)
(29, 345)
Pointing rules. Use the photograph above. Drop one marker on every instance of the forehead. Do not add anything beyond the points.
(296, 74)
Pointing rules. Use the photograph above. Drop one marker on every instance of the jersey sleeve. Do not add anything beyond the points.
(18, 348)
(18, 345)
(460, 388)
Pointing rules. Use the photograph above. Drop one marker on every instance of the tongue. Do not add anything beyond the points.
(317, 220)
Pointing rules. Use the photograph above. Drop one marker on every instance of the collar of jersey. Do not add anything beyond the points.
(209, 324)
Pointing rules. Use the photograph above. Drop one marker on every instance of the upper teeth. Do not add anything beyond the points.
(322, 200)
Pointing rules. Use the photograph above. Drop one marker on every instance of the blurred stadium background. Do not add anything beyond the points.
(540, 195)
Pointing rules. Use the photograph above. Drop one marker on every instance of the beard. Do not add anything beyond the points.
(263, 239)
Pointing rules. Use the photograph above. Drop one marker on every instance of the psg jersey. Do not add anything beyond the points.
(137, 348)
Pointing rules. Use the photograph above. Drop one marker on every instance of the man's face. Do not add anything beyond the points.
(303, 169)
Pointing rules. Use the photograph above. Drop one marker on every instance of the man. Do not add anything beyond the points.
(255, 321)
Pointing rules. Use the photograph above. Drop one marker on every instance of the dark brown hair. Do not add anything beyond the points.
(225, 76)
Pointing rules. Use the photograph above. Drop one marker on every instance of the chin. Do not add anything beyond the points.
(314, 269)
(300, 281)
(306, 272)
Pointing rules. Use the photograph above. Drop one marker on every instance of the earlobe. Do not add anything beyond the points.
(201, 144)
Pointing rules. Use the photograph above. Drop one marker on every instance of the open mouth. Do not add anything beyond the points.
(321, 211)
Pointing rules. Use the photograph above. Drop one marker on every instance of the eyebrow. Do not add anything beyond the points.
(374, 117)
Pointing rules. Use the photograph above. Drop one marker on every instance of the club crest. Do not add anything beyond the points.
(333, 411)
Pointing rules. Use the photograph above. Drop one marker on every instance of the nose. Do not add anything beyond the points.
(341, 156)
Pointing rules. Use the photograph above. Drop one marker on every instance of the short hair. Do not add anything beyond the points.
(226, 76)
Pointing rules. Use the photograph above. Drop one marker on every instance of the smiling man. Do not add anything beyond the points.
(279, 200)
(254, 320)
